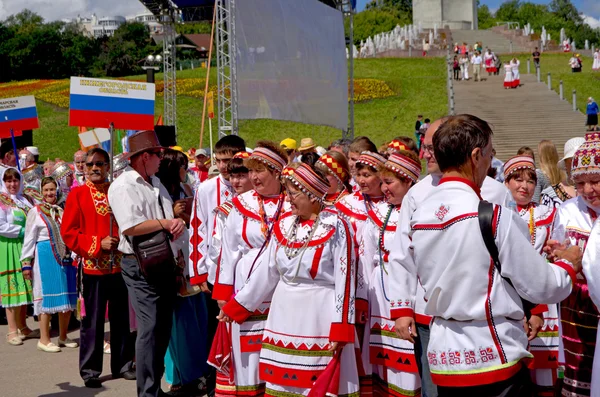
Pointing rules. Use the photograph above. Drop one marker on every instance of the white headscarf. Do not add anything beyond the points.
(18, 198)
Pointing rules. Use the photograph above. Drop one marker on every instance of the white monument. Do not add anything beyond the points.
(456, 14)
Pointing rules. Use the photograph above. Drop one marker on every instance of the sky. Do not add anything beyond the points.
(58, 9)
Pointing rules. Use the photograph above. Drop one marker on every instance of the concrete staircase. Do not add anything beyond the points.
(519, 117)
(495, 41)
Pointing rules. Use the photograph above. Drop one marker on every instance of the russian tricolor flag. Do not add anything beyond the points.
(17, 113)
(128, 105)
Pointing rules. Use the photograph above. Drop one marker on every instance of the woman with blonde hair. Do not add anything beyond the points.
(551, 189)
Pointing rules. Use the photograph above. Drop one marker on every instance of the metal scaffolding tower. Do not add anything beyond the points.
(168, 20)
(226, 68)
(345, 6)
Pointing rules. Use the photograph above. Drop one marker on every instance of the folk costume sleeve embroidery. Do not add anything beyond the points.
(214, 252)
(243, 240)
(10, 215)
(352, 209)
(210, 195)
(232, 242)
(85, 223)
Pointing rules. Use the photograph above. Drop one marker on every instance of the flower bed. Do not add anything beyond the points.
(56, 92)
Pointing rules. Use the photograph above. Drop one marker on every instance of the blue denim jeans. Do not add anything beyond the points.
(428, 389)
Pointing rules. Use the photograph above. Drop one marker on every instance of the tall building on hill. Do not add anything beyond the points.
(106, 26)
(456, 14)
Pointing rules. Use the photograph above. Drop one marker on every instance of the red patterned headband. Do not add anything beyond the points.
(269, 158)
(404, 166)
(518, 163)
(334, 167)
(307, 181)
(241, 155)
(397, 145)
(371, 159)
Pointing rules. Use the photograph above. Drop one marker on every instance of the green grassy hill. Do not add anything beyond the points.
(418, 86)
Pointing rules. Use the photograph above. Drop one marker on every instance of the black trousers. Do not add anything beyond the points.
(517, 386)
(97, 292)
(153, 305)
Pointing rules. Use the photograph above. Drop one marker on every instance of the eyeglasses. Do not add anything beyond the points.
(293, 195)
(428, 148)
(96, 163)
(159, 154)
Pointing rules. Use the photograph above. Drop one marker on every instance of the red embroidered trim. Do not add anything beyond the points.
(245, 211)
(236, 311)
(404, 312)
(441, 226)
(467, 182)
(390, 358)
(283, 241)
(316, 260)
(348, 212)
(476, 379)
(379, 222)
(244, 235)
(569, 270)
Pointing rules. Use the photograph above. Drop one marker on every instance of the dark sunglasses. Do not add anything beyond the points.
(96, 163)
(157, 153)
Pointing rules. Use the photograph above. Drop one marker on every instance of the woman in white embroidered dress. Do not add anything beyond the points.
(596, 64)
(310, 268)
(521, 179)
(15, 290)
(245, 240)
(393, 361)
(354, 209)
(514, 64)
(508, 77)
(52, 272)
(579, 316)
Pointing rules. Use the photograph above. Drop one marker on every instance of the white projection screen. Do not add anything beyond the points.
(291, 62)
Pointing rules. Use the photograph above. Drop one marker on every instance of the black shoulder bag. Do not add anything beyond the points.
(486, 216)
(154, 254)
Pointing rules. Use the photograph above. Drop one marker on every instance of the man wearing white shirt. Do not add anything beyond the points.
(444, 251)
(142, 205)
(491, 191)
(476, 60)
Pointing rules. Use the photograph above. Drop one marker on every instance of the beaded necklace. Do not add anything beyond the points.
(292, 252)
(266, 224)
(531, 223)
(382, 249)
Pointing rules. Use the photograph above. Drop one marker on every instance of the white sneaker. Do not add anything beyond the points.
(49, 348)
(67, 343)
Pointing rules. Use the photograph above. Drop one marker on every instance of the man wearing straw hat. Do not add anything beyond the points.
(142, 205)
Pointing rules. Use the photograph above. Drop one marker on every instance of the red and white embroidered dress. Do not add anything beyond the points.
(210, 195)
(578, 314)
(483, 341)
(394, 366)
(242, 240)
(540, 219)
(312, 304)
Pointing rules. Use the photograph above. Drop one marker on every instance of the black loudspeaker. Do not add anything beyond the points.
(166, 135)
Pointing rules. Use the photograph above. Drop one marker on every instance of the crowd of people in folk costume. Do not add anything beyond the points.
(299, 270)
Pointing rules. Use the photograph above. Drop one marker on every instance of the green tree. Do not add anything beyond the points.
(566, 11)
(191, 28)
(377, 20)
(485, 18)
(508, 11)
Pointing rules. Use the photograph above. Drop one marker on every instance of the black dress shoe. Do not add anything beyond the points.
(93, 383)
(129, 375)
